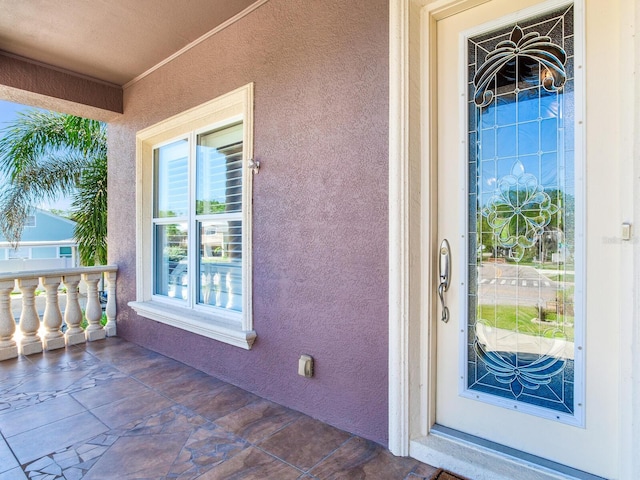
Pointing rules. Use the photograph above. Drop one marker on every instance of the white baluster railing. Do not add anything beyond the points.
(33, 323)
(8, 346)
(30, 341)
(52, 318)
(93, 313)
(73, 312)
(110, 327)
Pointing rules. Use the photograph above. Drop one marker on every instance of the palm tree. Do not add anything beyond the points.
(45, 155)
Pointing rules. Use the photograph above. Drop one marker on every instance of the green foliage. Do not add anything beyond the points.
(84, 324)
(519, 319)
(90, 213)
(563, 277)
(45, 155)
(61, 213)
(560, 220)
(205, 207)
(175, 253)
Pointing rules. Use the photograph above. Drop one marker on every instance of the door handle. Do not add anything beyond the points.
(444, 272)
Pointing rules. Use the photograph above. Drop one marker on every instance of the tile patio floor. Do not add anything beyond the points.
(113, 410)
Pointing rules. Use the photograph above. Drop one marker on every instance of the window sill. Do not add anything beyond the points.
(196, 322)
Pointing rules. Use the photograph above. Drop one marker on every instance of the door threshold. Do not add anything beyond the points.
(481, 459)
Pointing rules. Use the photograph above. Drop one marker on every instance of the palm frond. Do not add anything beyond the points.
(89, 211)
(45, 155)
(35, 135)
(35, 184)
(14, 209)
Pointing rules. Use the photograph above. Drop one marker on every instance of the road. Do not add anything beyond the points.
(508, 284)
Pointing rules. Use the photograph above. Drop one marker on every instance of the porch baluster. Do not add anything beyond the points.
(110, 327)
(30, 342)
(52, 317)
(93, 313)
(8, 347)
(72, 311)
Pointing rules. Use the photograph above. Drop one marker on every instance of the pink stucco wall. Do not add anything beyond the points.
(30, 83)
(320, 203)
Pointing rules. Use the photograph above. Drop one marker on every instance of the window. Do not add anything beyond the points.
(194, 220)
(19, 253)
(30, 221)
(524, 238)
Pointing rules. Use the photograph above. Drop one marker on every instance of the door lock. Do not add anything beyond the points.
(444, 272)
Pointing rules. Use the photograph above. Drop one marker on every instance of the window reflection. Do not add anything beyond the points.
(171, 171)
(171, 277)
(220, 264)
(219, 214)
(522, 222)
(219, 171)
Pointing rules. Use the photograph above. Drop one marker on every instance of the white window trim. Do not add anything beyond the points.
(235, 105)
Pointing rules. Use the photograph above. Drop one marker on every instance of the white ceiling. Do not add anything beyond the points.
(110, 40)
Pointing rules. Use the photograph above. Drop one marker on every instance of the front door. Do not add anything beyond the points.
(524, 358)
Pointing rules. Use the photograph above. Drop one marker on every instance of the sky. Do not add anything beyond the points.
(8, 113)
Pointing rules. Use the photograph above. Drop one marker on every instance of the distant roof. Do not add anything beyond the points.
(46, 228)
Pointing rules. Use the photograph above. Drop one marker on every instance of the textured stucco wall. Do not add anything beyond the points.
(35, 84)
(320, 203)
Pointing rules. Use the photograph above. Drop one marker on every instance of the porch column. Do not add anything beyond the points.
(93, 313)
(72, 312)
(8, 347)
(30, 342)
(52, 318)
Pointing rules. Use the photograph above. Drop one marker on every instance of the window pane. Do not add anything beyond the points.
(220, 265)
(20, 252)
(170, 173)
(219, 171)
(521, 244)
(171, 272)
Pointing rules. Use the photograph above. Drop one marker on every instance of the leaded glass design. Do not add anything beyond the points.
(521, 199)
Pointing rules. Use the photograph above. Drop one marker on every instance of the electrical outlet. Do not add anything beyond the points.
(305, 366)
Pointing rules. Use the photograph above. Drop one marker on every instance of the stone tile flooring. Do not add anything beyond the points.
(113, 410)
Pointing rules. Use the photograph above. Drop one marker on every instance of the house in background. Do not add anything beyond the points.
(47, 243)
(356, 158)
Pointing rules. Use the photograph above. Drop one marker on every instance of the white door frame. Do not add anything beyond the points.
(410, 200)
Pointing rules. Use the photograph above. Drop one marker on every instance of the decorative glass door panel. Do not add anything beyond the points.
(510, 184)
(522, 323)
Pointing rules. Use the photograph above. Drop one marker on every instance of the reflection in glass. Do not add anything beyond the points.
(521, 222)
(171, 276)
(219, 171)
(171, 174)
(220, 264)
(219, 214)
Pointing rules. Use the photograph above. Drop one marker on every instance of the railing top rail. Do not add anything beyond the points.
(42, 243)
(57, 272)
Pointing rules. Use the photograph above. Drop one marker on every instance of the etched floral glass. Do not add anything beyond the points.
(521, 246)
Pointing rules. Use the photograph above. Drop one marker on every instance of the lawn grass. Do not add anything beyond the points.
(518, 318)
(563, 277)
